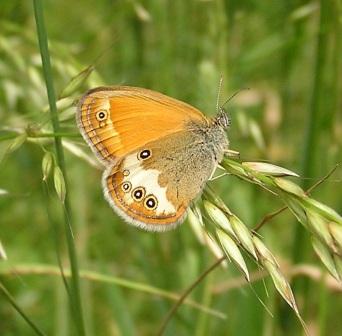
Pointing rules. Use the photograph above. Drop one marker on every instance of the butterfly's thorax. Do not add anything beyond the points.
(212, 136)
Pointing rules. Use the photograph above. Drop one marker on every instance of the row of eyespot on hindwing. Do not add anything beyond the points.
(138, 194)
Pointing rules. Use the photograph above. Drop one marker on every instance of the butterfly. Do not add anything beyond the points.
(158, 152)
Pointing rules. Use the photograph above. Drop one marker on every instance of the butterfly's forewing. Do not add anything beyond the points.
(153, 186)
(118, 120)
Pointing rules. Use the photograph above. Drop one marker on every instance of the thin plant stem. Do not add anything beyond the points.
(44, 51)
(55, 236)
(175, 307)
(52, 270)
(323, 305)
(9, 298)
(203, 319)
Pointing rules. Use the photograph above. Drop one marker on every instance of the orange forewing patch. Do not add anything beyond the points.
(134, 116)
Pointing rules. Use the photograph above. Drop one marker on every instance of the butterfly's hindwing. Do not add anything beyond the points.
(153, 187)
(136, 194)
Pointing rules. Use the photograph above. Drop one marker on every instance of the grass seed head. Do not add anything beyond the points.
(214, 247)
(219, 218)
(338, 265)
(263, 252)
(296, 207)
(47, 164)
(319, 227)
(326, 257)
(269, 169)
(336, 233)
(3, 255)
(59, 183)
(232, 251)
(324, 210)
(289, 186)
(281, 284)
(196, 224)
(244, 235)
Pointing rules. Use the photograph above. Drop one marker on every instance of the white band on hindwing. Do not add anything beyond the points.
(148, 179)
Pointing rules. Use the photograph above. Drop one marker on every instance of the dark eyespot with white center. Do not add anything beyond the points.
(144, 154)
(151, 202)
(101, 115)
(126, 186)
(138, 194)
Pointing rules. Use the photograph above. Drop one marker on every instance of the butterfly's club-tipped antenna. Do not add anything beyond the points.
(218, 94)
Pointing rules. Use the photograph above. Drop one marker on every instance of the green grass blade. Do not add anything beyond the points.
(11, 300)
(44, 51)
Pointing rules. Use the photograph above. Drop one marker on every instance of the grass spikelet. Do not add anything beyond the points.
(47, 165)
(324, 210)
(269, 169)
(219, 218)
(59, 183)
(319, 227)
(14, 145)
(76, 82)
(326, 257)
(214, 247)
(281, 284)
(3, 254)
(196, 224)
(232, 252)
(336, 232)
(263, 252)
(289, 187)
(244, 235)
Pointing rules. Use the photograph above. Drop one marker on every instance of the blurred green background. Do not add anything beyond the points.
(288, 53)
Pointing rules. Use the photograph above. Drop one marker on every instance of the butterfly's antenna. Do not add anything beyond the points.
(233, 95)
(219, 93)
(104, 52)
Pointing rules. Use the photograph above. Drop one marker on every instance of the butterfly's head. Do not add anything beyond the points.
(222, 119)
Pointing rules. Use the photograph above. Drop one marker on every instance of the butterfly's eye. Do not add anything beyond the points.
(101, 115)
(126, 186)
(150, 202)
(138, 194)
(145, 154)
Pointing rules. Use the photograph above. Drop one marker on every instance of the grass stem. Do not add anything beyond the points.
(45, 56)
(9, 298)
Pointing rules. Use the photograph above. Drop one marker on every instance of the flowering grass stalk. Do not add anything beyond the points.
(322, 222)
(225, 233)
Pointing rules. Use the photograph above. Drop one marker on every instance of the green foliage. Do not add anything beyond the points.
(286, 52)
